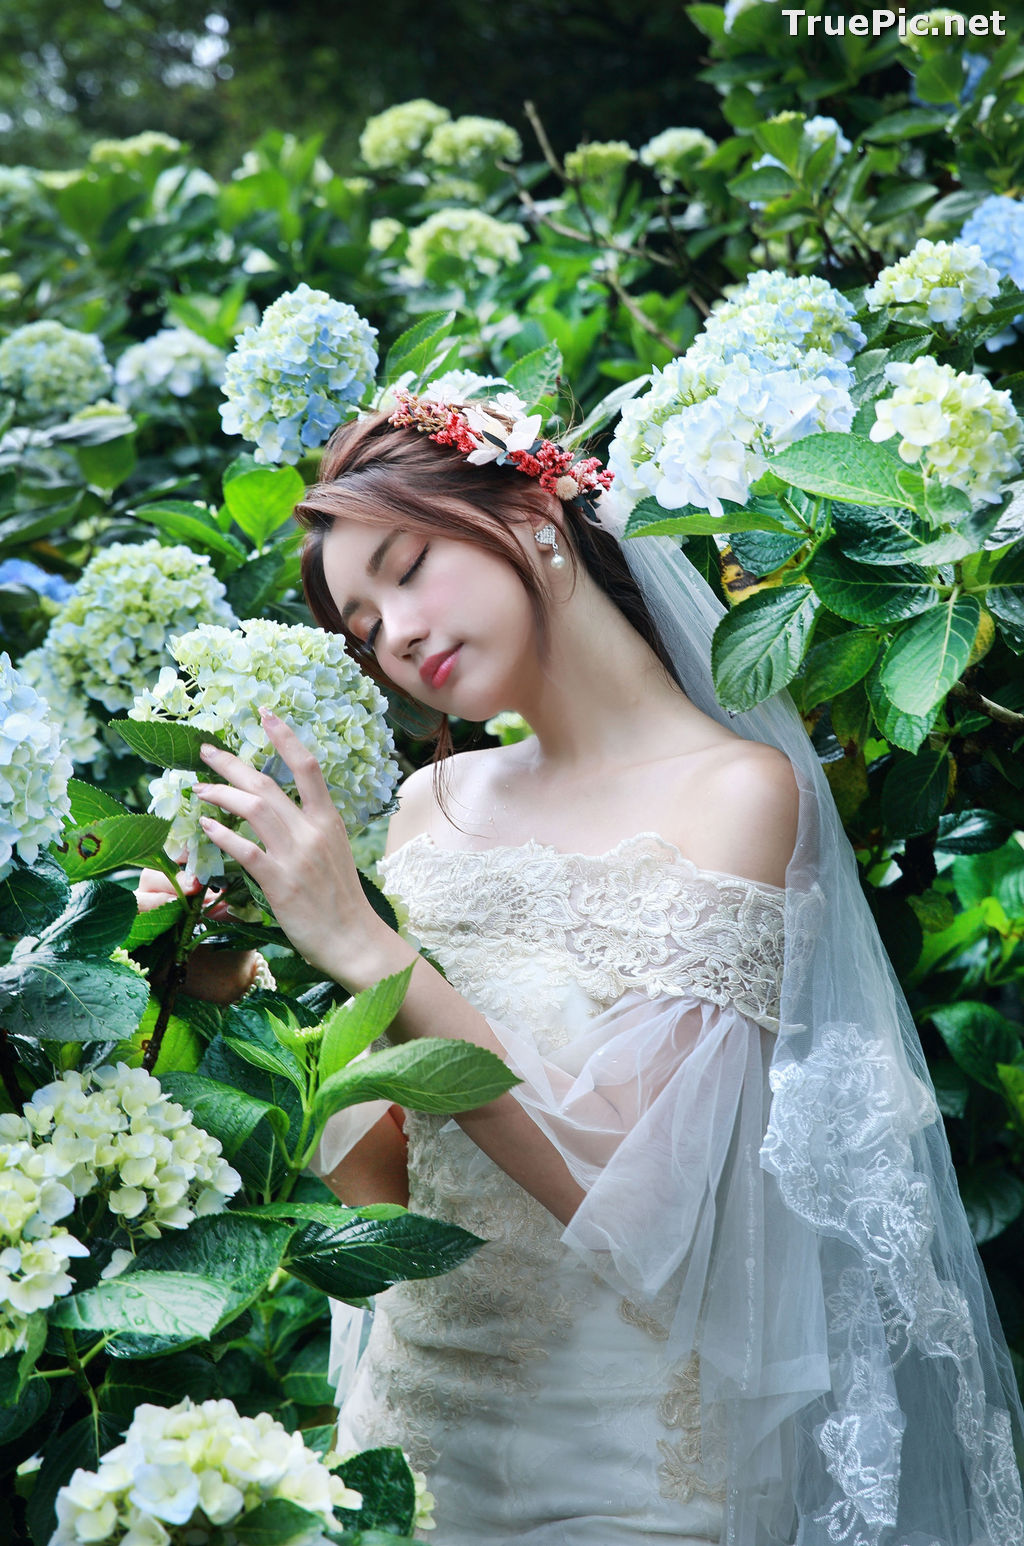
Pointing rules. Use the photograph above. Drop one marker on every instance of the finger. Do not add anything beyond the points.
(237, 772)
(300, 761)
(249, 855)
(263, 813)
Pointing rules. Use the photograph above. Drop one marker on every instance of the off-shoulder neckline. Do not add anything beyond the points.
(531, 844)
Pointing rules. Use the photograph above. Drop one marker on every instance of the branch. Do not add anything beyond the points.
(176, 975)
(983, 705)
(639, 316)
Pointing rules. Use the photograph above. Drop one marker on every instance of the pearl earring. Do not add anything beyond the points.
(547, 537)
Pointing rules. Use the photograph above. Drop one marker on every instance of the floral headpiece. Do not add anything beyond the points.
(500, 431)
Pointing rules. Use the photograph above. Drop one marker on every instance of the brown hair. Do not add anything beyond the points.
(374, 472)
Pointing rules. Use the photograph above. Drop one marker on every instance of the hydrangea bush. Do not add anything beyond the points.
(469, 238)
(294, 378)
(673, 152)
(34, 770)
(303, 675)
(393, 139)
(52, 370)
(174, 363)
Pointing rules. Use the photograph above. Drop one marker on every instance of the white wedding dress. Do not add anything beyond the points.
(540, 1384)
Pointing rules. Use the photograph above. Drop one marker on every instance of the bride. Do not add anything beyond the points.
(727, 1291)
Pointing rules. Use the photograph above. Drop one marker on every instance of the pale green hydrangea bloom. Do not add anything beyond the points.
(177, 186)
(34, 1252)
(953, 426)
(114, 1132)
(939, 27)
(51, 369)
(384, 232)
(473, 143)
(308, 679)
(174, 362)
(19, 190)
(396, 137)
(295, 377)
(478, 241)
(34, 770)
(200, 1465)
(128, 155)
(672, 151)
(942, 282)
(599, 160)
(109, 639)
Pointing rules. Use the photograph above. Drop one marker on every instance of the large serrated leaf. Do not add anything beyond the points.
(414, 349)
(993, 1198)
(650, 519)
(97, 917)
(366, 1255)
(837, 663)
(351, 1027)
(914, 791)
(841, 466)
(262, 499)
(174, 1305)
(929, 654)
(198, 529)
(59, 1000)
(429, 1074)
(536, 374)
(277, 1522)
(862, 593)
(168, 743)
(907, 731)
(979, 1039)
(758, 646)
(89, 803)
(383, 1479)
(1005, 596)
(115, 843)
(32, 896)
(230, 1115)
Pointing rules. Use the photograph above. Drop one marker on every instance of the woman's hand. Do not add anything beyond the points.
(305, 867)
(218, 976)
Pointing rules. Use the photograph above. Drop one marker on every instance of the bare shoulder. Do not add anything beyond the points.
(749, 805)
(418, 810)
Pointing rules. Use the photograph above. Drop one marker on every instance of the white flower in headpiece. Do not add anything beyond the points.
(482, 421)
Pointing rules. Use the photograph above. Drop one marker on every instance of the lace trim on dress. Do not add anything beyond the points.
(641, 915)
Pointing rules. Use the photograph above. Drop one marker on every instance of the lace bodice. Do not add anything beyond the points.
(640, 916)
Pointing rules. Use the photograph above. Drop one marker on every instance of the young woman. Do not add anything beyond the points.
(727, 1293)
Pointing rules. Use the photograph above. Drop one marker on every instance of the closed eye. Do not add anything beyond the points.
(372, 635)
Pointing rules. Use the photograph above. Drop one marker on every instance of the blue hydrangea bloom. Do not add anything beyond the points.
(18, 571)
(997, 227)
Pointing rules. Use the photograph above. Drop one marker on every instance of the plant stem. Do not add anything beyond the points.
(8, 1066)
(983, 705)
(175, 977)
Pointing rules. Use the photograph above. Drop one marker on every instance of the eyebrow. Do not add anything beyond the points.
(377, 557)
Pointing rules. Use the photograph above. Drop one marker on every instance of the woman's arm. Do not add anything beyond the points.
(374, 1169)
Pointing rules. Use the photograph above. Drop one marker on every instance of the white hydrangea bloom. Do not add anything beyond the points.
(303, 675)
(598, 160)
(384, 232)
(34, 770)
(130, 154)
(19, 190)
(479, 242)
(34, 1252)
(953, 425)
(941, 282)
(175, 362)
(769, 368)
(114, 1131)
(392, 139)
(52, 370)
(294, 378)
(201, 1465)
(110, 638)
(674, 151)
(473, 143)
(997, 227)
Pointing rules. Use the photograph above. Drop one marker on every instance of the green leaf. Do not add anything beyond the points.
(979, 1038)
(16, 1420)
(997, 873)
(62, 1000)
(536, 374)
(114, 843)
(758, 646)
(305, 1381)
(972, 832)
(929, 654)
(158, 1382)
(864, 594)
(228, 1114)
(367, 1255)
(168, 743)
(1005, 596)
(277, 1060)
(262, 499)
(914, 791)
(952, 1087)
(16, 1369)
(993, 1198)
(940, 78)
(32, 896)
(907, 731)
(276, 1522)
(98, 917)
(351, 1027)
(650, 519)
(762, 552)
(90, 804)
(841, 466)
(431, 1074)
(415, 348)
(176, 1305)
(196, 528)
(899, 537)
(901, 200)
(894, 128)
(383, 1478)
(150, 925)
(768, 182)
(835, 664)
(107, 466)
(1011, 1077)
(263, 579)
(783, 140)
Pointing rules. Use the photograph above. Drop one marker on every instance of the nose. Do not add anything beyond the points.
(402, 624)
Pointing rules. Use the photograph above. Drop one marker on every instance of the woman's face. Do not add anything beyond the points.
(414, 599)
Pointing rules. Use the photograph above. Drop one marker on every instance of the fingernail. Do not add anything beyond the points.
(200, 789)
(268, 714)
(207, 752)
(205, 822)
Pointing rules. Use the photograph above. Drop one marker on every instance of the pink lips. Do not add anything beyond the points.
(435, 669)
